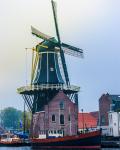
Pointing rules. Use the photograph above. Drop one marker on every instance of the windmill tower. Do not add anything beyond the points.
(49, 73)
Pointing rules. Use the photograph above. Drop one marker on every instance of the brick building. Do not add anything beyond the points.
(87, 121)
(95, 114)
(107, 103)
(60, 114)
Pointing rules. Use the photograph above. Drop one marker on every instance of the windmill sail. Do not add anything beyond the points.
(40, 34)
(59, 42)
(54, 6)
(71, 50)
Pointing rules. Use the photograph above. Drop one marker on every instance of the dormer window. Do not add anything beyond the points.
(62, 105)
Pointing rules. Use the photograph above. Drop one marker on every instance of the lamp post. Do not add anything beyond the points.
(82, 119)
(24, 122)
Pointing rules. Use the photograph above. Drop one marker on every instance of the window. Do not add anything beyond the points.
(111, 118)
(54, 131)
(61, 105)
(119, 117)
(61, 119)
(51, 69)
(103, 120)
(58, 131)
(53, 118)
(110, 130)
(69, 118)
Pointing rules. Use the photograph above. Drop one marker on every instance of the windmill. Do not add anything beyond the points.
(46, 76)
(63, 47)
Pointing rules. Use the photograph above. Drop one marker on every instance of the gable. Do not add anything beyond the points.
(61, 97)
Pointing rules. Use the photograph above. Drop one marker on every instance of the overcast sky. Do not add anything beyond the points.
(93, 25)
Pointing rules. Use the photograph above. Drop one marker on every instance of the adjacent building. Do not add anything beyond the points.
(114, 123)
(107, 103)
(87, 121)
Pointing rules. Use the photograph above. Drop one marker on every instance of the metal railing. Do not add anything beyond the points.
(48, 86)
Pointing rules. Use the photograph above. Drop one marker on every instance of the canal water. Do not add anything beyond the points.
(29, 148)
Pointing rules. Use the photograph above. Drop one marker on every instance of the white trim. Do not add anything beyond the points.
(70, 119)
(55, 68)
(47, 69)
(47, 86)
(38, 112)
(47, 52)
(40, 55)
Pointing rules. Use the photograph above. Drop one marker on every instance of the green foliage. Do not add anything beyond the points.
(27, 119)
(10, 117)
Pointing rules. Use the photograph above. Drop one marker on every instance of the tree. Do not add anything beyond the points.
(10, 118)
(27, 119)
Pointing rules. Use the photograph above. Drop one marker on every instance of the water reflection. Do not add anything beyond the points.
(16, 148)
(29, 148)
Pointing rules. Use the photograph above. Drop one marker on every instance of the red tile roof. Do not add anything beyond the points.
(89, 120)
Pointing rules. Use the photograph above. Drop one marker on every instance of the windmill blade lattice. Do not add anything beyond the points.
(34, 65)
(71, 50)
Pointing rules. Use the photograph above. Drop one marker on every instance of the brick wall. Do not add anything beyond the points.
(43, 120)
(104, 108)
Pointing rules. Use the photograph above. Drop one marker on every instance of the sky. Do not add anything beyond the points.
(93, 25)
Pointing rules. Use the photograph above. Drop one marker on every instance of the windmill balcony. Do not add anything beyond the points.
(31, 88)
